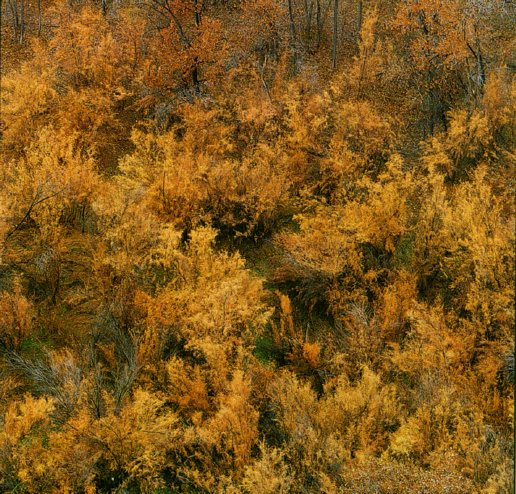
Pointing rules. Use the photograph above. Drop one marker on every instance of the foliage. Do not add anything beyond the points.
(257, 247)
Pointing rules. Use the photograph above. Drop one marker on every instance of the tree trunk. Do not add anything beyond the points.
(195, 71)
(22, 20)
(308, 20)
(318, 21)
(292, 33)
(195, 77)
(359, 18)
(14, 13)
(335, 32)
(39, 18)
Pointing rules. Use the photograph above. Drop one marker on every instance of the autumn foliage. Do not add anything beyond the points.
(257, 247)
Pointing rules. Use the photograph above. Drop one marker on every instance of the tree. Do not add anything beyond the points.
(193, 40)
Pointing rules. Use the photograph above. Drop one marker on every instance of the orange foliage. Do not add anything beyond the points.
(226, 266)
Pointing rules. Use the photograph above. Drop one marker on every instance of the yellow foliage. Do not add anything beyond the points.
(466, 237)
(136, 440)
(445, 432)
(360, 141)
(395, 303)
(214, 295)
(311, 353)
(362, 413)
(187, 387)
(433, 345)
(27, 95)
(498, 96)
(22, 416)
(385, 213)
(323, 244)
(297, 407)
(52, 176)
(195, 179)
(268, 474)
(272, 285)
(468, 134)
(84, 47)
(233, 429)
(16, 317)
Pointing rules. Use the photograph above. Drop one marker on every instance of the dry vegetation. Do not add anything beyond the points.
(257, 246)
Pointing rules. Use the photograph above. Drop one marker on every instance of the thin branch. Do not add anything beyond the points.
(27, 214)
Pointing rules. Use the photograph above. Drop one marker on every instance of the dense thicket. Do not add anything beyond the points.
(257, 246)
